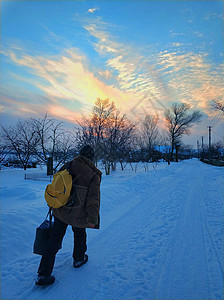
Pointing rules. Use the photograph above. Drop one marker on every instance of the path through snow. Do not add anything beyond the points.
(161, 237)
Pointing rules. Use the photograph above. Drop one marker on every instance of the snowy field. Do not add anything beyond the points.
(161, 237)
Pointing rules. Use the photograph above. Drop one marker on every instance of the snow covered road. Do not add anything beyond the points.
(161, 237)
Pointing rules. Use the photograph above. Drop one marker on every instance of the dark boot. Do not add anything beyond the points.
(45, 280)
(79, 263)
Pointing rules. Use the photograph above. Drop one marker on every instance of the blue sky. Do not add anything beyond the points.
(60, 56)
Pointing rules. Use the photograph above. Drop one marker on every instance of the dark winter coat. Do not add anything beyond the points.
(83, 205)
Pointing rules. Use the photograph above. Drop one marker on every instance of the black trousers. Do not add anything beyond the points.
(54, 244)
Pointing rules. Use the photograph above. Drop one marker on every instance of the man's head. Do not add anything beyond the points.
(87, 151)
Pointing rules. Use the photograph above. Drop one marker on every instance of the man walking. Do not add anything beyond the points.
(81, 212)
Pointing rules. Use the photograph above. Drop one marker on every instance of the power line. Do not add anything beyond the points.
(217, 122)
(217, 134)
(216, 119)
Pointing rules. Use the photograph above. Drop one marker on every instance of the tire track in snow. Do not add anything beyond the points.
(189, 270)
(212, 244)
(214, 261)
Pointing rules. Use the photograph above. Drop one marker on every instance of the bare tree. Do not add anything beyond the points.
(21, 140)
(85, 132)
(42, 128)
(4, 150)
(53, 140)
(218, 105)
(179, 121)
(102, 111)
(92, 129)
(149, 133)
(108, 131)
(164, 147)
(118, 138)
(215, 152)
(64, 149)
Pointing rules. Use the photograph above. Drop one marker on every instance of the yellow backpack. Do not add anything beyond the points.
(58, 191)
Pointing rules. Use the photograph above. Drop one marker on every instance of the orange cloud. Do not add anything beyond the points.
(205, 94)
(19, 106)
(63, 113)
(67, 77)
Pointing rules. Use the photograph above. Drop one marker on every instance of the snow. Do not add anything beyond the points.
(161, 237)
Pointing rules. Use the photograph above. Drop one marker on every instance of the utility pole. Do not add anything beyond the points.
(202, 146)
(209, 136)
(209, 141)
(198, 148)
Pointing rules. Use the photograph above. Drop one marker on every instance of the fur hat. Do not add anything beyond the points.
(87, 151)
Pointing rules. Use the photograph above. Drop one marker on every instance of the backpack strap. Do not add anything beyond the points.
(50, 216)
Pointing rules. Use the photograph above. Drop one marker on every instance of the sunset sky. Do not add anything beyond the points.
(60, 56)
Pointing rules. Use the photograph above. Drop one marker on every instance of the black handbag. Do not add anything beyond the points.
(42, 234)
